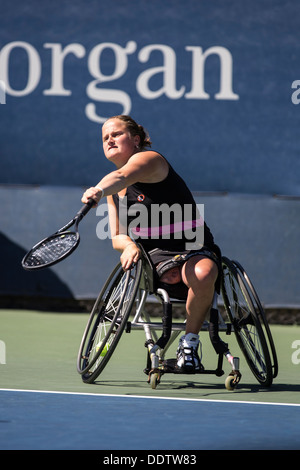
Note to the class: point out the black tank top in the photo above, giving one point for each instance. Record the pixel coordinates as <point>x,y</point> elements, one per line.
<point>163,215</point>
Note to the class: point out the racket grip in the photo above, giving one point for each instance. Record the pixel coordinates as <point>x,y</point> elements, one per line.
<point>85,209</point>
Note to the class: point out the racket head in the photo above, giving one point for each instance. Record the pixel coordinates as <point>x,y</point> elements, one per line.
<point>51,250</point>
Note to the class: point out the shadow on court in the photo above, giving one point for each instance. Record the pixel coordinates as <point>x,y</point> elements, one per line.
<point>18,285</point>
<point>205,389</point>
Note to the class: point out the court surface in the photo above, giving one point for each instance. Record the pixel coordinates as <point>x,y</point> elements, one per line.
<point>45,405</point>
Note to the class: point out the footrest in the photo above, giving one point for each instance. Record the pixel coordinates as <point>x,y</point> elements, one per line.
<point>170,366</point>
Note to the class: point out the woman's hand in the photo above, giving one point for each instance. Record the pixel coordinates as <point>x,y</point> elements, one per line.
<point>92,193</point>
<point>130,255</point>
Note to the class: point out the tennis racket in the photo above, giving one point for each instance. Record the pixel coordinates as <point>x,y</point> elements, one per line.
<point>53,249</point>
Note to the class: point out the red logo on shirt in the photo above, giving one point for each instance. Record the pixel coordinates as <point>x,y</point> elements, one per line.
<point>141,197</point>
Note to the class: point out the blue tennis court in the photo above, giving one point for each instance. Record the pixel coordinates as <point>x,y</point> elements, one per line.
<point>32,420</point>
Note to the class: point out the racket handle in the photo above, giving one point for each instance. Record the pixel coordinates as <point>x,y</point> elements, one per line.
<point>85,209</point>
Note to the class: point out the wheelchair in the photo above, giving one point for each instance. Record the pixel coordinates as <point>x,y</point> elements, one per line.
<point>120,307</point>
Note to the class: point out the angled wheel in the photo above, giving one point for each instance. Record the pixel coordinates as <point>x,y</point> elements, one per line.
<point>107,321</point>
<point>246,323</point>
<point>261,315</point>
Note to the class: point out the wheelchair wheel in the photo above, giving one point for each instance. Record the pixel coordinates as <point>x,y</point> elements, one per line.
<point>107,321</point>
<point>246,322</point>
<point>261,316</point>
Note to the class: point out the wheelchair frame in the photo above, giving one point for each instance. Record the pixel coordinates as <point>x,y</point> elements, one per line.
<point>114,305</point>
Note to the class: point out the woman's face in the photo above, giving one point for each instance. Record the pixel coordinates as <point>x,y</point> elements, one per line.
<point>118,144</point>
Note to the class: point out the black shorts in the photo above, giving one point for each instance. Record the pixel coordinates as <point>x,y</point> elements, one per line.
<point>164,260</point>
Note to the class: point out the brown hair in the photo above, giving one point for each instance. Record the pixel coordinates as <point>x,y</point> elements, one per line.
<point>135,129</point>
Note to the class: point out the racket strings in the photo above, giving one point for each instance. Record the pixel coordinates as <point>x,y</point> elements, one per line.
<point>52,249</point>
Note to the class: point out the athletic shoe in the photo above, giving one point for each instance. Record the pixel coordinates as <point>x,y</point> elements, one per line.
<point>188,360</point>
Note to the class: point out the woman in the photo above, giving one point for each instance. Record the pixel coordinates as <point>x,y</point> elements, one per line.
<point>143,179</point>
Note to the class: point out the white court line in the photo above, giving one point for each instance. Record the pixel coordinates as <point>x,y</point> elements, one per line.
<point>148,397</point>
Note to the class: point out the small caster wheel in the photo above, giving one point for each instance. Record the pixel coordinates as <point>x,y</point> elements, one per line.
<point>233,379</point>
<point>230,383</point>
<point>154,380</point>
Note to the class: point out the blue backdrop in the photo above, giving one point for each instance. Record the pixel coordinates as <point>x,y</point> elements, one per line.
<point>216,85</point>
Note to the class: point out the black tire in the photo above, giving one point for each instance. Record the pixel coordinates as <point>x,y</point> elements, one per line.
<point>246,324</point>
<point>260,312</point>
<point>107,321</point>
